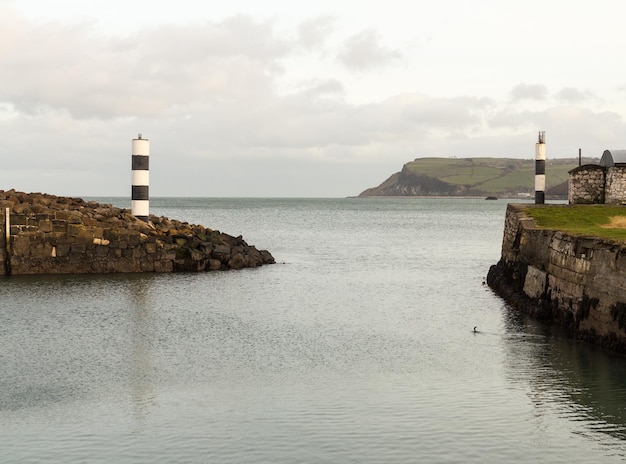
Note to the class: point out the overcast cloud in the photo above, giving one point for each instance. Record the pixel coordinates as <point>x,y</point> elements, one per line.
<point>364,51</point>
<point>323,100</point>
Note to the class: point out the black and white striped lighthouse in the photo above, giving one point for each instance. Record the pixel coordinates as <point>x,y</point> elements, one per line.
<point>540,169</point>
<point>140,199</point>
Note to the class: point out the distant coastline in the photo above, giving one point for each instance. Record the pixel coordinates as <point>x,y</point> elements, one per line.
<point>504,178</point>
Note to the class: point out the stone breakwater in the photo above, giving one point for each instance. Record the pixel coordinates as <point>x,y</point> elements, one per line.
<point>575,282</point>
<point>48,234</point>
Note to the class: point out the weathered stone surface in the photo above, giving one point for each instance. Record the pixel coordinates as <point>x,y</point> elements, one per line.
<point>586,184</point>
<point>615,184</point>
<point>51,234</point>
<point>576,282</point>
<point>595,184</point>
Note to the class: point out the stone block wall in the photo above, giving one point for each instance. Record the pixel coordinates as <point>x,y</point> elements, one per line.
<point>586,185</point>
<point>575,282</point>
<point>60,242</point>
<point>595,184</point>
<point>616,184</point>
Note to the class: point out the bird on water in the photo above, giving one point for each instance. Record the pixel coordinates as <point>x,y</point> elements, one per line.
<point>475,331</point>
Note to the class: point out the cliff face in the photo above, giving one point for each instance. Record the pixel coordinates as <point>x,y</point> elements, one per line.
<point>576,282</point>
<point>407,183</point>
<point>47,234</point>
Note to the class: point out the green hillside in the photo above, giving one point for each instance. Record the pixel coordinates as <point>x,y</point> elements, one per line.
<point>501,177</point>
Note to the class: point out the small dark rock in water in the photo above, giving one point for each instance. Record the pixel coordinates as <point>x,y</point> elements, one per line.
<point>60,235</point>
<point>491,198</point>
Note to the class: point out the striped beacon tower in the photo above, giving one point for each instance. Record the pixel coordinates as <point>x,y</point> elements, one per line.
<point>540,169</point>
<point>140,203</point>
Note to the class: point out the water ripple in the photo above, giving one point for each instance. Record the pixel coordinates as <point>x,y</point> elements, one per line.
<point>359,349</point>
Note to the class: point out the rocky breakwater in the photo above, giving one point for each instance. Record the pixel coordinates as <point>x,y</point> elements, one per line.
<point>573,281</point>
<point>47,234</point>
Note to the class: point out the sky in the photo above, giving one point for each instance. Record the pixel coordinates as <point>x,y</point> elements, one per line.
<point>297,99</point>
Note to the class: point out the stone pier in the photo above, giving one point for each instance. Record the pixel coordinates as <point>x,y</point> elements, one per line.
<point>60,235</point>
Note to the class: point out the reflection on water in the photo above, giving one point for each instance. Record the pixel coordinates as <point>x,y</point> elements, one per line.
<point>572,381</point>
<point>358,349</point>
<point>142,393</point>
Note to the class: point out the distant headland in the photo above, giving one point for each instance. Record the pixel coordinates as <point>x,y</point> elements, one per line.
<point>475,177</point>
<point>48,234</point>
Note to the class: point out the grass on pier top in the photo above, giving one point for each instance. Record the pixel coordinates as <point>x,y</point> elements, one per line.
<point>604,221</point>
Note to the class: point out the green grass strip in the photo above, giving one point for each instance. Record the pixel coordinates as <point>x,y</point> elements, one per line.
<point>585,220</point>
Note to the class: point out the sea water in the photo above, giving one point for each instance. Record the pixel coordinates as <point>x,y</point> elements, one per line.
<point>356,347</point>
